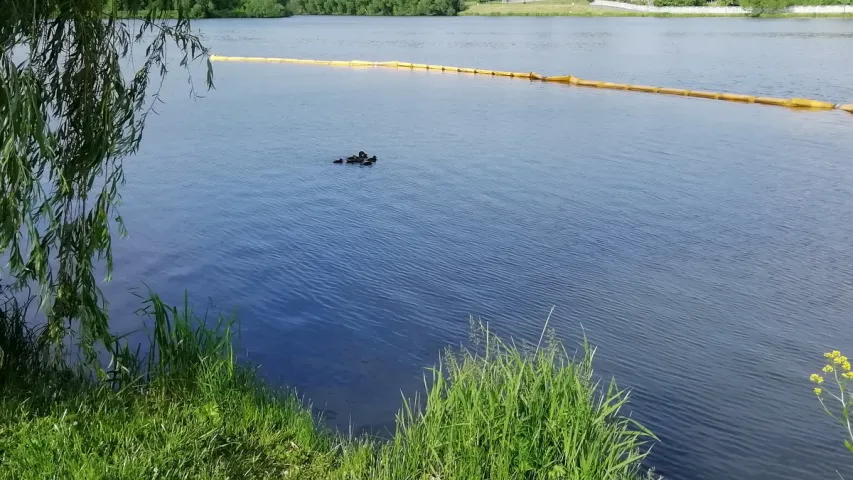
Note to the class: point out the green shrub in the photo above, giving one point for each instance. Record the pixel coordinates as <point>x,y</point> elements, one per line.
<point>680,3</point>
<point>381,7</point>
<point>263,9</point>
<point>758,7</point>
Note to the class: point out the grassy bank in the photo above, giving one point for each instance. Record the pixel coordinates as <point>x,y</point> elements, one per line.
<point>187,410</point>
<point>580,8</point>
<point>545,8</point>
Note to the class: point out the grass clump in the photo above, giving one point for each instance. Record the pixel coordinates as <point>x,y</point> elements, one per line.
<point>186,409</point>
<point>506,414</point>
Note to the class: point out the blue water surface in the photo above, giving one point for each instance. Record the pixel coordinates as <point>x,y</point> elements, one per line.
<point>703,246</point>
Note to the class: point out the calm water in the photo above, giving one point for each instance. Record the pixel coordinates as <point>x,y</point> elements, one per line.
<point>705,247</point>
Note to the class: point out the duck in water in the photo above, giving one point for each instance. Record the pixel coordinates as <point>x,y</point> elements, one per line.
<point>372,159</point>
<point>340,160</point>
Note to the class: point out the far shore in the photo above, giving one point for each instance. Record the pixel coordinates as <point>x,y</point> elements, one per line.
<point>581,8</point>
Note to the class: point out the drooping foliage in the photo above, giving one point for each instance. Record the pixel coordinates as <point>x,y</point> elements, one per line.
<point>381,7</point>
<point>72,108</point>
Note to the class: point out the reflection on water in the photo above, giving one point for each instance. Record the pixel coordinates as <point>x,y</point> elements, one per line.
<point>703,246</point>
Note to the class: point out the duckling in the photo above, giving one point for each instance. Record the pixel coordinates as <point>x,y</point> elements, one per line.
<point>362,155</point>
<point>353,160</point>
<point>367,163</point>
<point>373,159</point>
<point>340,160</point>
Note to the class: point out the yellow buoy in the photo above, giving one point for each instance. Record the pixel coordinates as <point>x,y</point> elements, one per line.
<point>735,97</point>
<point>672,91</point>
<point>779,102</point>
<point>814,104</point>
<point>701,94</point>
<point>589,83</point>
<point>614,86</point>
<point>563,79</point>
<point>802,103</point>
<point>643,88</point>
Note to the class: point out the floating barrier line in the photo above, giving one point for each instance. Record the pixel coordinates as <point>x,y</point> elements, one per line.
<point>797,103</point>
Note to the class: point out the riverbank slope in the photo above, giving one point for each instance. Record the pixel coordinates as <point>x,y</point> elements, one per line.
<point>187,410</point>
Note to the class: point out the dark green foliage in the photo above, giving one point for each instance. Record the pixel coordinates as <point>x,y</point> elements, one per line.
<point>381,7</point>
<point>212,8</point>
<point>680,3</point>
<point>757,7</point>
<point>263,8</point>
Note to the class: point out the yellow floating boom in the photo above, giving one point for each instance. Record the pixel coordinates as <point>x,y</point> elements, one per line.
<point>799,103</point>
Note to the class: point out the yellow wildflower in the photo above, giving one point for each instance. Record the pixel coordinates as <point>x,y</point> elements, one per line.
<point>846,366</point>
<point>848,375</point>
<point>828,355</point>
<point>839,359</point>
<point>817,391</point>
<point>815,378</point>
<point>828,369</point>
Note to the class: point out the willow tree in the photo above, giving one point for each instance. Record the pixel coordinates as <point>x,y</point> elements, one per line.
<point>73,107</point>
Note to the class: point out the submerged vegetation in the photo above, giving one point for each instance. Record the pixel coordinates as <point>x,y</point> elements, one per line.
<point>187,410</point>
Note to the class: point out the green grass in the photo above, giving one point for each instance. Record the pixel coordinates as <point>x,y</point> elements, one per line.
<point>545,8</point>
<point>581,8</point>
<point>187,410</point>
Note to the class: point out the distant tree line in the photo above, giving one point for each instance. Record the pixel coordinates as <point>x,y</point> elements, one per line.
<point>209,8</point>
<point>380,7</point>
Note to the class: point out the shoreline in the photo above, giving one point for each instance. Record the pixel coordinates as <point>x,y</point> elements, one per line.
<point>214,14</point>
<point>575,8</point>
<point>544,8</point>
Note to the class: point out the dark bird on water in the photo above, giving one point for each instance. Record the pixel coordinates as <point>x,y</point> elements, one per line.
<point>361,158</point>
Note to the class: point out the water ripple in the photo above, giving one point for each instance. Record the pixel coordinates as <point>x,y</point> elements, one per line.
<point>703,246</point>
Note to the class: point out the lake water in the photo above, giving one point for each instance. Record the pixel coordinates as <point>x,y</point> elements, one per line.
<point>704,246</point>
